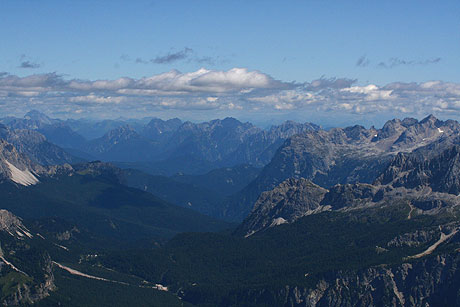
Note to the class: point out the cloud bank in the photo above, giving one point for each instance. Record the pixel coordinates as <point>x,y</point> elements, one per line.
<point>235,91</point>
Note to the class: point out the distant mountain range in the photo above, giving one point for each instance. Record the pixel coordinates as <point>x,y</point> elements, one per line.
<point>165,147</point>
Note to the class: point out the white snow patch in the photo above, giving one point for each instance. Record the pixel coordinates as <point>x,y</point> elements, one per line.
<point>25,178</point>
<point>161,287</point>
<point>278,221</point>
<point>440,130</point>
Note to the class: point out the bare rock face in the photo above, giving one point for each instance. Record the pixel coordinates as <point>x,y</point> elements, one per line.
<point>348,155</point>
<point>17,167</point>
<point>13,225</point>
<point>286,203</point>
<point>428,185</point>
<point>350,195</point>
<point>29,279</point>
<point>441,172</point>
<point>431,282</point>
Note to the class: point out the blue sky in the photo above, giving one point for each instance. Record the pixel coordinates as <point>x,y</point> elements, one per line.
<point>292,43</point>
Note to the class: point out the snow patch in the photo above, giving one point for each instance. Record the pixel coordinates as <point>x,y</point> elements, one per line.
<point>440,130</point>
<point>278,221</point>
<point>161,287</point>
<point>25,178</point>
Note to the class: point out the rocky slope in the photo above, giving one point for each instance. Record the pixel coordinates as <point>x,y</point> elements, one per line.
<point>430,282</point>
<point>25,279</point>
<point>17,167</point>
<point>347,155</point>
<point>36,147</point>
<point>289,201</point>
<point>429,184</point>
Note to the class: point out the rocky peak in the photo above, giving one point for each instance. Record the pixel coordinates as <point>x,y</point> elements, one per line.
<point>289,201</point>
<point>440,172</point>
<point>121,133</point>
<point>392,128</point>
<point>358,133</point>
<point>38,116</point>
<point>430,120</point>
<point>157,126</point>
<point>409,121</point>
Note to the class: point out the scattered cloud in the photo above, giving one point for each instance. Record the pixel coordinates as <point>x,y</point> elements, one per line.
<point>329,83</point>
<point>172,57</point>
<point>394,62</point>
<point>29,64</point>
<point>235,90</point>
<point>186,54</point>
<point>363,61</point>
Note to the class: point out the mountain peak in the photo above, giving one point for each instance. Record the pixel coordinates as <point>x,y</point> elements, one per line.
<point>38,116</point>
<point>429,119</point>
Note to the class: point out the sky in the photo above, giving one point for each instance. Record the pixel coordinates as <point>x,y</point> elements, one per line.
<point>328,62</point>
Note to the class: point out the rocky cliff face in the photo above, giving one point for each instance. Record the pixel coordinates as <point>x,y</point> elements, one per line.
<point>424,181</point>
<point>348,155</point>
<point>26,279</point>
<point>431,282</point>
<point>429,184</point>
<point>17,167</point>
<point>441,173</point>
<point>286,203</point>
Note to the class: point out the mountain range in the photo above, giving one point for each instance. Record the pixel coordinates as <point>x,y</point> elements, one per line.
<point>165,147</point>
<point>344,155</point>
<point>294,215</point>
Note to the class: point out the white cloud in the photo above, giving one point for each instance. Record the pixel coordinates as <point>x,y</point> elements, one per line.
<point>98,99</point>
<point>236,90</point>
<point>369,92</point>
